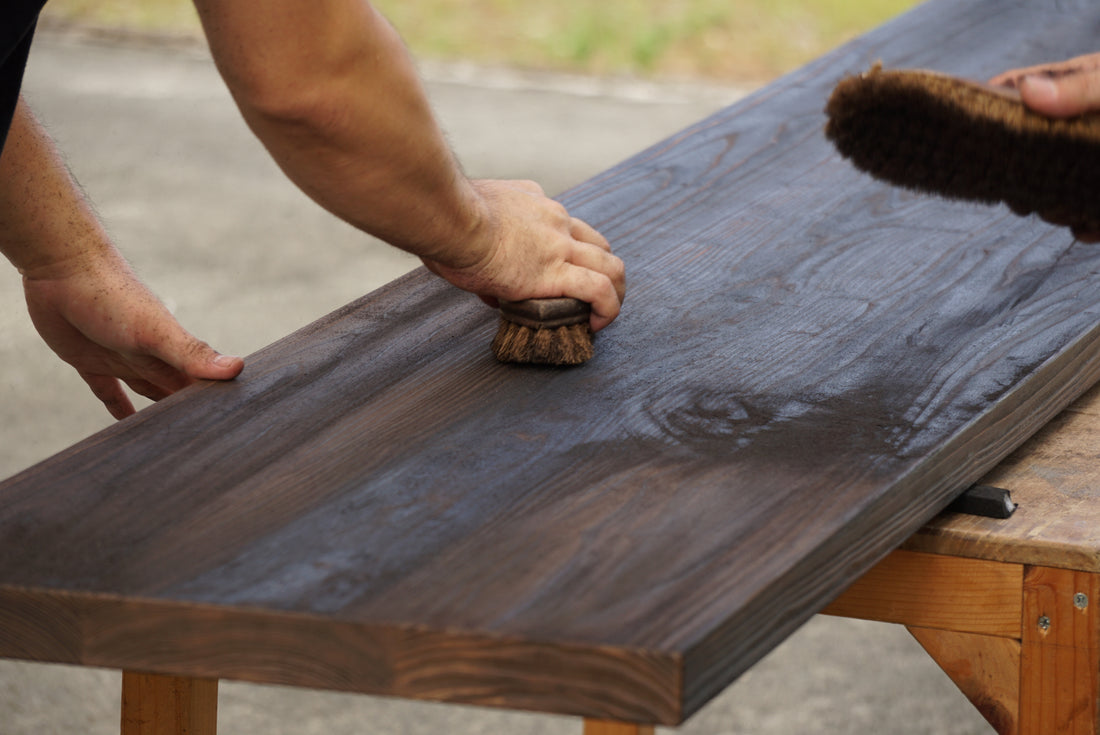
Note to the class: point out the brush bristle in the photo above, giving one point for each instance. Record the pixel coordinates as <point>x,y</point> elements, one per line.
<point>963,140</point>
<point>568,345</point>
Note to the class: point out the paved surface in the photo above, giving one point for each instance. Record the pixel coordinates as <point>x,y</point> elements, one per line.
<point>242,258</point>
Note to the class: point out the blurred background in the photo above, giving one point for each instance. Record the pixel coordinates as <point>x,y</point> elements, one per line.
<point>554,91</point>
<point>731,40</point>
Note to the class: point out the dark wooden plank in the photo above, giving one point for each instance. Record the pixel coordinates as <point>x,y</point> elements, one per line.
<point>810,365</point>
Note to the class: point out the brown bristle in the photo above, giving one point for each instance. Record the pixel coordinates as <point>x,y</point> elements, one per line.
<point>963,140</point>
<point>567,345</point>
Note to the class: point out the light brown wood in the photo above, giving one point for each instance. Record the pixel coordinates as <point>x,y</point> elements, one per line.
<point>168,705</point>
<point>1060,657</point>
<point>1055,479</point>
<point>985,668</point>
<point>936,591</point>
<point>605,727</point>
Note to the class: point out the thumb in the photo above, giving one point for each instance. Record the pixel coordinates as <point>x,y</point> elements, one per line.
<point>214,366</point>
<point>196,359</point>
<point>1065,96</point>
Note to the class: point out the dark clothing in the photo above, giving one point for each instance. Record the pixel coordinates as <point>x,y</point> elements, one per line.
<point>17,21</point>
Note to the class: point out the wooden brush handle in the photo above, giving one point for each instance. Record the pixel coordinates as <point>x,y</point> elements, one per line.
<point>545,313</point>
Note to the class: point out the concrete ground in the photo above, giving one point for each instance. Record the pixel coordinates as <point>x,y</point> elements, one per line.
<point>242,259</point>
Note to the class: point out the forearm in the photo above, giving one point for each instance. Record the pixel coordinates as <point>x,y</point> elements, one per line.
<point>45,223</point>
<point>331,91</point>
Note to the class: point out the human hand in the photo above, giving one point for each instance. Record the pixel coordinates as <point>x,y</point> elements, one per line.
<point>1059,90</point>
<point>528,246</point>
<point>98,317</point>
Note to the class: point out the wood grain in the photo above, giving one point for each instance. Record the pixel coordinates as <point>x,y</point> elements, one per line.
<point>809,367</point>
<point>1060,656</point>
<point>1055,479</point>
<point>168,705</point>
<point>325,652</point>
<point>985,668</point>
<point>603,727</point>
<point>938,592</point>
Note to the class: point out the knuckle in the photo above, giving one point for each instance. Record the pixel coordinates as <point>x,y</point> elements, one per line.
<point>559,212</point>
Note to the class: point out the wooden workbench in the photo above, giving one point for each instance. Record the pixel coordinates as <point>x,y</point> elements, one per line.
<point>1010,609</point>
<point>810,366</point>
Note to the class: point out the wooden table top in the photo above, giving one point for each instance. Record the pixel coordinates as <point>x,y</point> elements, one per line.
<point>1055,480</point>
<point>809,367</point>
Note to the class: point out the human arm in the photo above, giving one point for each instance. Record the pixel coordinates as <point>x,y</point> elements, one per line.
<point>331,91</point>
<point>82,296</point>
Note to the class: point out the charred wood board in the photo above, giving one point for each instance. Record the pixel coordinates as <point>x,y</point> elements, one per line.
<point>809,366</point>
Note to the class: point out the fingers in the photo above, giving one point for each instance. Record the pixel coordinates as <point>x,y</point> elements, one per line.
<point>581,230</point>
<point>155,379</point>
<point>98,317</point>
<point>170,363</point>
<point>202,362</point>
<point>593,274</point>
<point>602,296</point>
<point>108,390</point>
<point>147,389</point>
<point>1078,64</point>
<point>1064,97</point>
<point>1062,89</point>
<point>601,262</point>
<point>531,247</point>
<point>181,359</point>
<point>599,269</point>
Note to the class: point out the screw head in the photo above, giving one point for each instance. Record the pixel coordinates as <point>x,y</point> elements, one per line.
<point>1044,623</point>
<point>1080,601</point>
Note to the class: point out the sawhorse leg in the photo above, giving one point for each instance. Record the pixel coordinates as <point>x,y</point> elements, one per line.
<point>171,705</point>
<point>604,727</point>
<point>1021,642</point>
<point>168,705</point>
<point>1060,655</point>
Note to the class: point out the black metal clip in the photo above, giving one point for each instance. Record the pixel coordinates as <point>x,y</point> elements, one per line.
<point>984,500</point>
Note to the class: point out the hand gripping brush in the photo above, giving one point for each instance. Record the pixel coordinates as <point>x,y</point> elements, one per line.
<point>960,139</point>
<point>544,332</point>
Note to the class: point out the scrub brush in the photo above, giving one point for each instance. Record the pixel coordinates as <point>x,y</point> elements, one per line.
<point>961,139</point>
<point>544,332</point>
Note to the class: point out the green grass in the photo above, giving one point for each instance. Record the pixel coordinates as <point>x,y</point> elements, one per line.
<point>171,16</point>
<point>720,39</point>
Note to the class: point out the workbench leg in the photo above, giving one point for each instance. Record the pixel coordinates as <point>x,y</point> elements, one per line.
<point>168,705</point>
<point>985,668</point>
<point>606,727</point>
<point>1060,654</point>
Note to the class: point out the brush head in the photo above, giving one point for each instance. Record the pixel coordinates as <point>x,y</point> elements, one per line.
<point>960,139</point>
<point>544,332</point>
